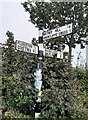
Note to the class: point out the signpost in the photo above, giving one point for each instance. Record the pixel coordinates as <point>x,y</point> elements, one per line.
<point>40,51</point>
<point>45,36</point>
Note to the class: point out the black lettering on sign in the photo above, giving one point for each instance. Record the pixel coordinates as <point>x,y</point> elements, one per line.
<point>45,33</point>
<point>33,50</point>
<point>70,30</point>
<point>47,37</point>
<point>49,32</point>
<point>63,32</point>
<point>44,37</point>
<point>54,35</point>
<point>26,49</point>
<point>29,50</point>
<point>57,29</point>
<point>20,47</point>
<point>69,26</point>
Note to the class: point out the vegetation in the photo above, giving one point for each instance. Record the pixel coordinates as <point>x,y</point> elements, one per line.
<point>61,97</point>
<point>64,95</point>
<point>18,87</point>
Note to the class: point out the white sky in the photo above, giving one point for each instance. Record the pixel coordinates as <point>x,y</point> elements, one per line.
<point>15,19</point>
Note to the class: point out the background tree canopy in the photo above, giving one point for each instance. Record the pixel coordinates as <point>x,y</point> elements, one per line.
<point>56,14</point>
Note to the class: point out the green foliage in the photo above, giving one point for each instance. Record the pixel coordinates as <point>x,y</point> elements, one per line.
<point>82,78</point>
<point>14,114</point>
<point>8,55</point>
<point>18,83</point>
<point>18,87</point>
<point>59,94</point>
<point>82,100</point>
<point>62,98</point>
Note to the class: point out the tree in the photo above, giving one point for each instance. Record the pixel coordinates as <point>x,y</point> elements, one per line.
<point>17,79</point>
<point>56,14</point>
<point>8,57</point>
<point>82,101</point>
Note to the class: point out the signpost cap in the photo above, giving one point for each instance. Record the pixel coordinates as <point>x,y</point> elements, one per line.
<point>41,23</point>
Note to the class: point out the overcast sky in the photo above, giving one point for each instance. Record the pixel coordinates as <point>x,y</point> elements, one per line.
<point>15,19</point>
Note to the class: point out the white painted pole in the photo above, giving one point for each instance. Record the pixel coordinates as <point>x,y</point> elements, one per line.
<point>38,81</point>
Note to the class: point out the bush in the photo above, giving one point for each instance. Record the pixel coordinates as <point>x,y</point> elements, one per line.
<point>14,114</point>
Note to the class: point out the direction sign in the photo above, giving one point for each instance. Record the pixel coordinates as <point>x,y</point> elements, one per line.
<point>59,31</point>
<point>27,47</point>
<point>49,52</point>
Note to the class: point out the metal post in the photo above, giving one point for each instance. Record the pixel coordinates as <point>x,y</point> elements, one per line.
<point>38,73</point>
